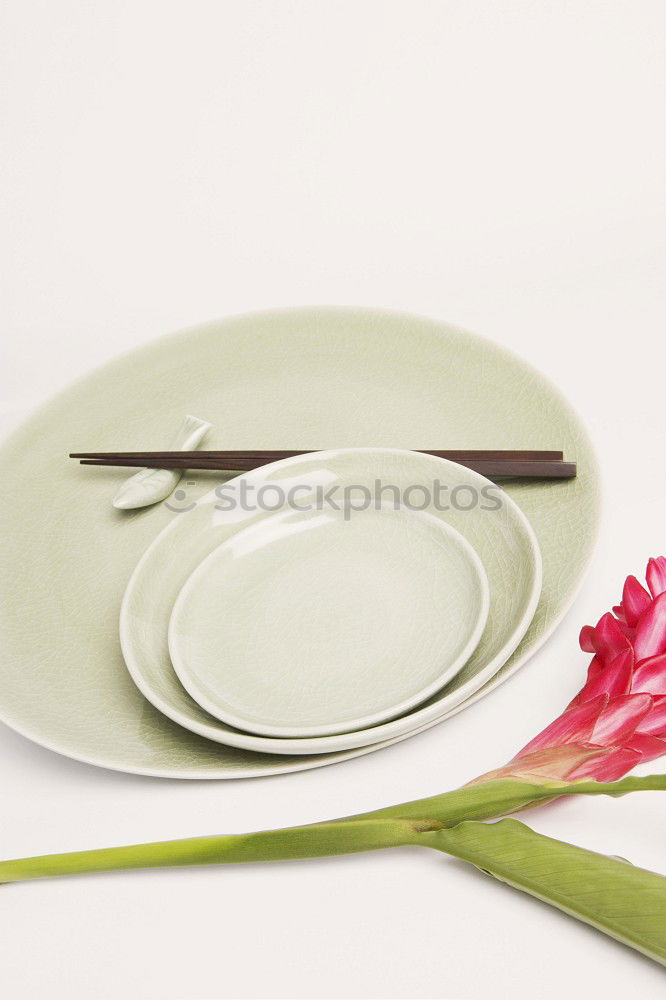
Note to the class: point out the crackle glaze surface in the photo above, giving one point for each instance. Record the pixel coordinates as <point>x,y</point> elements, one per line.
<point>324,621</point>
<point>304,378</point>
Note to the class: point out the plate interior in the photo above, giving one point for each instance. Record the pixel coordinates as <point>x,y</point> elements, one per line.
<point>323,621</point>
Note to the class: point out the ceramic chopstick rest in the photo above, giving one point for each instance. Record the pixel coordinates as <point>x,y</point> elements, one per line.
<point>149,486</point>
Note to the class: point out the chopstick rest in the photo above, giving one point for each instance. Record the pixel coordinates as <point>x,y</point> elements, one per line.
<point>150,484</point>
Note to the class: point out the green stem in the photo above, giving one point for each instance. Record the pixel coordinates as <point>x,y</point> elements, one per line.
<point>319,840</point>
<point>391,827</point>
<point>501,797</point>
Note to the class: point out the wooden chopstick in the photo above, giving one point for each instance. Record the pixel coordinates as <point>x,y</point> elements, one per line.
<point>276,455</point>
<point>492,467</point>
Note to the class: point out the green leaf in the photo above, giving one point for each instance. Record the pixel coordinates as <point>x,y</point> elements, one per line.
<point>625,902</point>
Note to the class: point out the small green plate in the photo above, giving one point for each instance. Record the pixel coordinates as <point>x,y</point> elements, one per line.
<point>304,379</point>
<point>329,620</point>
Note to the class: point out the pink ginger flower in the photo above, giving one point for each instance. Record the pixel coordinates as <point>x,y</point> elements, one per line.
<point>618,719</point>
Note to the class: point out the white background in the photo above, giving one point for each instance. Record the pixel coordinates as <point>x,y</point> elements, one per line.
<point>496,164</point>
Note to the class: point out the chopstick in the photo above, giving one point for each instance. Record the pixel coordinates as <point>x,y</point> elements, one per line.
<point>276,455</point>
<point>493,464</point>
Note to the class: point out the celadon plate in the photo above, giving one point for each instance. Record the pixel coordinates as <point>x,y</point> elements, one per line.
<point>486,517</point>
<point>324,621</point>
<point>302,379</point>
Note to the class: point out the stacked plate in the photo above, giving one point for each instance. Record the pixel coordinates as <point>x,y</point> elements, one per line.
<point>334,624</point>
<point>326,602</point>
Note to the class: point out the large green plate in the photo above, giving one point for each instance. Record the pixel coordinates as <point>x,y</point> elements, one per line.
<point>304,378</point>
